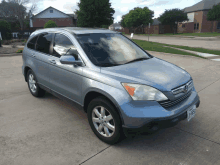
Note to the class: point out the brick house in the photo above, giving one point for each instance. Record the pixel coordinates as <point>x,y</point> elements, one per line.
<point>155,28</point>
<point>197,18</point>
<point>61,19</point>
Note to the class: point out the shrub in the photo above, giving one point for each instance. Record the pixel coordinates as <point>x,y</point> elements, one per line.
<point>19,50</point>
<point>50,24</point>
<point>105,26</point>
<point>5,29</point>
<point>19,36</point>
<point>7,42</point>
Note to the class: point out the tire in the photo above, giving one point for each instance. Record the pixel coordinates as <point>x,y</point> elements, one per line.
<point>110,127</point>
<point>33,86</point>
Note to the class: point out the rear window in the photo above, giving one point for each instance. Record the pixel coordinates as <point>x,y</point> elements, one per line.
<point>32,42</point>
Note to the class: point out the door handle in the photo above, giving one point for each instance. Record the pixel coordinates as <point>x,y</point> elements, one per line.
<point>52,61</point>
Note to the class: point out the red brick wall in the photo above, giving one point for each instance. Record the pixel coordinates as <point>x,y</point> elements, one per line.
<point>126,30</point>
<point>189,27</point>
<point>198,17</point>
<point>39,22</point>
<point>165,29</point>
<point>154,29</point>
<point>207,26</point>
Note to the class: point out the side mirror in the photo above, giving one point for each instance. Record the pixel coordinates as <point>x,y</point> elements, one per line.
<point>70,59</point>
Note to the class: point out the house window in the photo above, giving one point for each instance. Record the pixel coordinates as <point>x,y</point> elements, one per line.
<point>51,11</point>
<point>218,25</point>
<point>183,25</point>
<point>196,26</point>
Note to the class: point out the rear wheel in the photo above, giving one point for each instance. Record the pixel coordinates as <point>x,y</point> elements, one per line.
<point>104,121</point>
<point>33,86</point>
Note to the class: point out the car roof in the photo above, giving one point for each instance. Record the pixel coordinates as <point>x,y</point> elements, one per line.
<point>77,30</point>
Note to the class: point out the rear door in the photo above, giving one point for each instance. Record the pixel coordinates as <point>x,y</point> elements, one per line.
<point>65,79</point>
<point>41,56</point>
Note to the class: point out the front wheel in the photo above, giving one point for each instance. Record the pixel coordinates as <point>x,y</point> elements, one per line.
<point>33,86</point>
<point>104,121</point>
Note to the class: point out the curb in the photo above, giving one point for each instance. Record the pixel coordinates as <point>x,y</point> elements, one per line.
<point>9,55</point>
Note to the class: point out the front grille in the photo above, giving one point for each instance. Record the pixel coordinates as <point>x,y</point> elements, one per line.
<point>181,88</point>
<point>169,103</point>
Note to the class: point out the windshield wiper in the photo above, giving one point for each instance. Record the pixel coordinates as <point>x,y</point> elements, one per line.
<point>107,64</point>
<point>138,59</point>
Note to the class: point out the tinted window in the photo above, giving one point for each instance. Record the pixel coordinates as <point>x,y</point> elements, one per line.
<point>32,42</point>
<point>61,45</point>
<point>106,49</point>
<point>218,26</point>
<point>43,43</point>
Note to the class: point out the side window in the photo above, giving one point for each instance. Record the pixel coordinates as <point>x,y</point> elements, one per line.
<point>43,42</point>
<point>61,45</point>
<point>32,42</point>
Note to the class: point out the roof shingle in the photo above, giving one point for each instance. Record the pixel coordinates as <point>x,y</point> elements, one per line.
<point>202,5</point>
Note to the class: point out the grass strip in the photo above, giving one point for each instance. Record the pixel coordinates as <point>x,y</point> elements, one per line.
<point>158,47</point>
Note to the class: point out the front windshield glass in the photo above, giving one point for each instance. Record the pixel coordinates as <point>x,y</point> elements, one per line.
<point>109,49</point>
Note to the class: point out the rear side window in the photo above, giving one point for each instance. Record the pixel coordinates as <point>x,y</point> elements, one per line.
<point>32,42</point>
<point>61,45</point>
<point>43,43</point>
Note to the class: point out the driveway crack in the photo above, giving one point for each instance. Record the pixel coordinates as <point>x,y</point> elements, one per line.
<point>198,136</point>
<point>208,85</point>
<point>94,155</point>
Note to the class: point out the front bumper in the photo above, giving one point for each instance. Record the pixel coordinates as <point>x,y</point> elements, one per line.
<point>158,124</point>
<point>142,115</point>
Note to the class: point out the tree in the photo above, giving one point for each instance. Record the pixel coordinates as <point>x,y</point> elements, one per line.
<point>5,30</point>
<point>50,24</point>
<point>13,10</point>
<point>94,13</point>
<point>214,13</point>
<point>122,22</point>
<point>138,17</point>
<point>172,17</point>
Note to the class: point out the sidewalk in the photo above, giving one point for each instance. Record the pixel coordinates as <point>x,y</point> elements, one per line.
<point>9,46</point>
<point>206,55</point>
<point>182,41</point>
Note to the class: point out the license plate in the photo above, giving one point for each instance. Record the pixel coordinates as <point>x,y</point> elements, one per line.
<point>191,112</point>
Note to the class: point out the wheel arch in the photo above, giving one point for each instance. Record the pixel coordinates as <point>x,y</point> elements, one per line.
<point>92,94</point>
<point>26,69</point>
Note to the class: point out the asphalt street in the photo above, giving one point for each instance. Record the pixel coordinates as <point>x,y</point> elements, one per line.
<point>50,131</point>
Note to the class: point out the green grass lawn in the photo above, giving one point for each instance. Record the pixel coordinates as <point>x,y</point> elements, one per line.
<point>158,47</point>
<point>209,34</point>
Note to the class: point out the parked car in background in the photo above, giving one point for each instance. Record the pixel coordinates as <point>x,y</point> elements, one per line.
<point>120,86</point>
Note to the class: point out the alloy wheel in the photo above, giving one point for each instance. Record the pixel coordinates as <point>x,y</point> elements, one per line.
<point>32,83</point>
<point>103,121</point>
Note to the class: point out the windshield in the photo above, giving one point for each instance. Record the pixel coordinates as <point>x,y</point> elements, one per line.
<point>109,49</point>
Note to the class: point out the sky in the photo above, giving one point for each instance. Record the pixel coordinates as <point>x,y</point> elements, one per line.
<point>121,7</point>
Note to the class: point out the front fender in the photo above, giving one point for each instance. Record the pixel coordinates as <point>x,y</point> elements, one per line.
<point>117,96</point>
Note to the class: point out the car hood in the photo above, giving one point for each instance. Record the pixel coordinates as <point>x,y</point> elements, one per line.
<point>153,72</point>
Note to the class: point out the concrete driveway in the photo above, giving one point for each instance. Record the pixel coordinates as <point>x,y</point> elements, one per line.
<point>51,131</point>
<point>182,41</point>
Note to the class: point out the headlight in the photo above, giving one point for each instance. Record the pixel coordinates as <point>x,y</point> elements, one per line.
<point>144,92</point>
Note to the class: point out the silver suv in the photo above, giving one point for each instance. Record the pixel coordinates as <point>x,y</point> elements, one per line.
<point>121,87</point>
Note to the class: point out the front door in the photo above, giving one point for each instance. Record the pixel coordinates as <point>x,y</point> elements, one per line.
<point>65,79</point>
